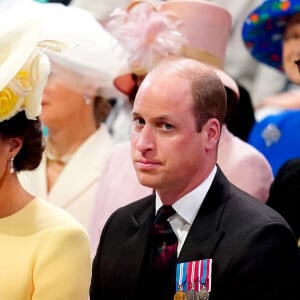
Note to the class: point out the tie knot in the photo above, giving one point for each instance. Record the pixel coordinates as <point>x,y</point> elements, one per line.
<point>164,213</point>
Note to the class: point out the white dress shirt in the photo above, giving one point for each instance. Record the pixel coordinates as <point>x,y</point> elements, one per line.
<point>187,208</point>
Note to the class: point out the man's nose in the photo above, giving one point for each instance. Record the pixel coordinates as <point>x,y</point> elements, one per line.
<point>145,139</point>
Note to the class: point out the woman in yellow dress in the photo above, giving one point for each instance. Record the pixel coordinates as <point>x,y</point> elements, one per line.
<point>44,252</point>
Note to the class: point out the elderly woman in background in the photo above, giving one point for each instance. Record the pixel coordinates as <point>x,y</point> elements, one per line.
<point>44,252</point>
<point>74,108</point>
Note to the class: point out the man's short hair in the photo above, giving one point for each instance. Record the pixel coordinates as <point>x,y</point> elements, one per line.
<point>209,97</point>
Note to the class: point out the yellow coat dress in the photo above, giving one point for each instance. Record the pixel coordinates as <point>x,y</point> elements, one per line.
<point>44,254</point>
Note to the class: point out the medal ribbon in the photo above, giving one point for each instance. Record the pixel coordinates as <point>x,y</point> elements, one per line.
<point>181,276</point>
<point>192,275</point>
<point>205,274</point>
<point>195,272</point>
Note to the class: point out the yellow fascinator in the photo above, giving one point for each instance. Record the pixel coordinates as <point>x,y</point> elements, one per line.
<point>24,68</point>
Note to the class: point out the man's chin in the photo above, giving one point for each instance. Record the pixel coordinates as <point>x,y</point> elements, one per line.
<point>145,180</point>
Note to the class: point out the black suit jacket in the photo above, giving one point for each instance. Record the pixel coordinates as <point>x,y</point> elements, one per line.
<point>285,193</point>
<point>254,252</point>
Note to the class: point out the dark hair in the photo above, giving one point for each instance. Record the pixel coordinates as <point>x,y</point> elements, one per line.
<point>102,108</point>
<point>231,104</point>
<point>30,155</point>
<point>209,98</point>
<point>240,115</point>
<point>137,79</point>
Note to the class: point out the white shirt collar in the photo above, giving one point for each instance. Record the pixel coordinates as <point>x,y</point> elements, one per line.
<point>187,207</point>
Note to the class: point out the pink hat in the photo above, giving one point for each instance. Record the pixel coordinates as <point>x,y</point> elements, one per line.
<point>205,29</point>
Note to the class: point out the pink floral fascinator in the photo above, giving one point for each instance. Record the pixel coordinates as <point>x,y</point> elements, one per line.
<point>147,34</point>
<point>151,31</point>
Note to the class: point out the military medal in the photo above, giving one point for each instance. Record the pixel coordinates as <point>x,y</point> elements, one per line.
<point>193,280</point>
<point>180,281</point>
<point>192,294</point>
<point>203,294</point>
<point>180,294</point>
<point>205,279</point>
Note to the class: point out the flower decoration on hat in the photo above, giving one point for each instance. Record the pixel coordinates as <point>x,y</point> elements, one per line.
<point>24,69</point>
<point>24,91</point>
<point>147,34</point>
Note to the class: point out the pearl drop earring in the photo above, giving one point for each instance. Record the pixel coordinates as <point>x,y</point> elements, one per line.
<point>87,99</point>
<point>12,169</point>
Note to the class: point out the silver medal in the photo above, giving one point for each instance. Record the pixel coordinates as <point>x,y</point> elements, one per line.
<point>192,294</point>
<point>203,294</point>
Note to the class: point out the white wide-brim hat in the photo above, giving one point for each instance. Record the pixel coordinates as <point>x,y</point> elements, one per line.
<point>24,68</point>
<point>17,43</point>
<point>93,53</point>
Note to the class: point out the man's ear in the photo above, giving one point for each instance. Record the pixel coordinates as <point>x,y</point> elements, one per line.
<point>15,144</point>
<point>213,130</point>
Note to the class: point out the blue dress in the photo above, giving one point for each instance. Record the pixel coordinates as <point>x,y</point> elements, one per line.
<point>277,137</point>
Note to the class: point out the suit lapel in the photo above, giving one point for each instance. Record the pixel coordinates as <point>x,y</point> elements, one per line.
<point>205,232</point>
<point>136,243</point>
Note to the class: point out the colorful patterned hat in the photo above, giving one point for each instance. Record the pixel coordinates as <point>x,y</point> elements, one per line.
<point>264,27</point>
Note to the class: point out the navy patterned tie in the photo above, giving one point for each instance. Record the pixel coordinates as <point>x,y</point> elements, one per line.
<point>163,240</point>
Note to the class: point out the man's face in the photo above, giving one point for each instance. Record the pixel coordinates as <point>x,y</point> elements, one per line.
<point>167,151</point>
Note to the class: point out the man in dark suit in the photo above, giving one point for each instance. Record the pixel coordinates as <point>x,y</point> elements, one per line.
<point>249,248</point>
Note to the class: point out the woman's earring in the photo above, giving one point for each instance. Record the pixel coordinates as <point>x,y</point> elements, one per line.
<point>12,169</point>
<point>87,99</point>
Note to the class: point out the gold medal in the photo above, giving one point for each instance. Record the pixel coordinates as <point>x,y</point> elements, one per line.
<point>203,294</point>
<point>180,294</point>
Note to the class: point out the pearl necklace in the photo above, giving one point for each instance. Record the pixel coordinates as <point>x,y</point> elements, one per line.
<point>60,160</point>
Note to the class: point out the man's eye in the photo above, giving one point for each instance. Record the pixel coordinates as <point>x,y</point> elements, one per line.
<point>139,121</point>
<point>167,126</point>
